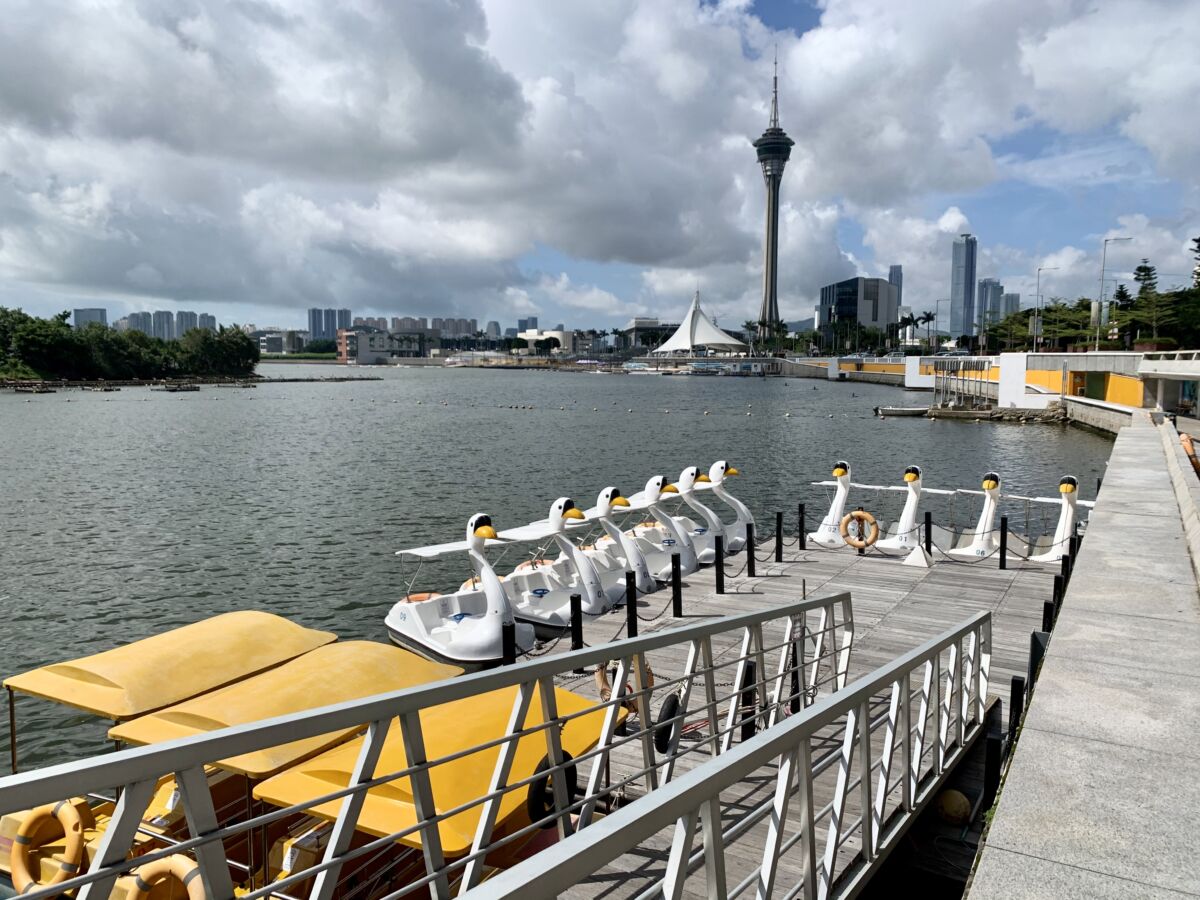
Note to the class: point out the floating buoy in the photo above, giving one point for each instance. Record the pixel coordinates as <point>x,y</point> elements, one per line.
<point>953,807</point>
<point>419,402</point>
<point>595,409</point>
<point>787,415</point>
<point>561,408</point>
<point>830,416</point>
<point>749,413</point>
<point>706,412</point>
<point>666,412</point>
<point>629,410</point>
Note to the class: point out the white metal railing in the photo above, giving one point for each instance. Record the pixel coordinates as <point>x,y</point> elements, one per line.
<point>816,857</point>
<point>750,672</point>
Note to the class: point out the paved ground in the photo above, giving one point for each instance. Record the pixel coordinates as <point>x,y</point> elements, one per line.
<point>1101,797</point>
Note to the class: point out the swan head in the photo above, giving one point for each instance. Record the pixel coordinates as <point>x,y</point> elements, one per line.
<point>912,476</point>
<point>1068,486</point>
<point>657,486</point>
<point>480,531</point>
<point>561,511</point>
<point>688,479</point>
<point>609,498</point>
<point>841,471</point>
<point>991,484</point>
<point>720,470</point>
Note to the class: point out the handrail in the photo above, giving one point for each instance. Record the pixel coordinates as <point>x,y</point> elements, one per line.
<point>805,653</point>
<point>691,796</point>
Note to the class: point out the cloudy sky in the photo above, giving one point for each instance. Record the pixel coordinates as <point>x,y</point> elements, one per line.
<point>584,161</point>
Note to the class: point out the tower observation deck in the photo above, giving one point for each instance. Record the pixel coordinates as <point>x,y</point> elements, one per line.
<point>774,148</point>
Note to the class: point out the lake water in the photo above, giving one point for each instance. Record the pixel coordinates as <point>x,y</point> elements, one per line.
<point>128,513</point>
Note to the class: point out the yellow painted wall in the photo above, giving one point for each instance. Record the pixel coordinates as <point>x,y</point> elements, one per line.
<point>1123,389</point>
<point>890,368</point>
<point>1050,379</point>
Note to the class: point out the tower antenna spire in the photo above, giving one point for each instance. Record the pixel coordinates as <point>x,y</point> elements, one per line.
<point>775,92</point>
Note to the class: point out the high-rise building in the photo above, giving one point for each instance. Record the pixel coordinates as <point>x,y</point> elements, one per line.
<point>774,148</point>
<point>531,322</point>
<point>962,286</point>
<point>329,324</point>
<point>164,325</point>
<point>343,319</point>
<point>989,303</point>
<point>184,322</point>
<point>511,332</point>
<point>896,277</point>
<point>559,327</point>
<point>316,325</point>
<point>1011,305</point>
<point>141,321</point>
<point>493,330</point>
<point>522,325</point>
<point>82,317</point>
<point>866,302</point>
<point>207,322</point>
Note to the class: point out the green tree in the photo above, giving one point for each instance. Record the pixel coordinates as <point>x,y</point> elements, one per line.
<point>1146,277</point>
<point>1196,268</point>
<point>321,346</point>
<point>1122,298</point>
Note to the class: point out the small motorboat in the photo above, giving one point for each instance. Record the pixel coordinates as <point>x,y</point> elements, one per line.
<point>886,411</point>
<point>735,534</point>
<point>464,628</point>
<point>541,596</point>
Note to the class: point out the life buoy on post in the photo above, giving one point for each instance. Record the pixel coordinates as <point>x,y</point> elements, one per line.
<point>863,518</point>
<point>20,862</point>
<point>177,866</point>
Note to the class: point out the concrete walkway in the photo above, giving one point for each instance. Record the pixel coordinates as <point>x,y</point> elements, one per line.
<point>1102,795</point>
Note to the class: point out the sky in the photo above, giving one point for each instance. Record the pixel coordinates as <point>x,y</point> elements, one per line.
<point>582,162</point>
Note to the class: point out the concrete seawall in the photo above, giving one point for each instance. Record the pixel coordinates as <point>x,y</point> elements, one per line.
<point>1105,778</point>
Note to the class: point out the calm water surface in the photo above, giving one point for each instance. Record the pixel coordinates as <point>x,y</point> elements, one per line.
<point>128,513</point>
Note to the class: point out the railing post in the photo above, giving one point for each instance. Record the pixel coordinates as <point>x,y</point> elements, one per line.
<point>803,534</point>
<point>929,532</point>
<point>1016,706</point>
<point>508,643</point>
<point>631,604</point>
<point>993,755</point>
<point>1058,593</point>
<point>676,587</point>
<point>1038,641</point>
<point>747,707</point>
<point>1066,570</point>
<point>577,625</point>
<point>779,537</point>
<point>719,563</point>
<point>1048,616</point>
<point>1004,542</point>
<point>750,559</point>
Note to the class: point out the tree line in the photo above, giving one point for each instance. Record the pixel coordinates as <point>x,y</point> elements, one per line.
<point>32,347</point>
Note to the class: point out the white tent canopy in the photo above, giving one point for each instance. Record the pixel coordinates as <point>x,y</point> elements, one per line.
<point>698,330</point>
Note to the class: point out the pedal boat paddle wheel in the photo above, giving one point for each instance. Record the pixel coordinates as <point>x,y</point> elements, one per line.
<point>464,628</point>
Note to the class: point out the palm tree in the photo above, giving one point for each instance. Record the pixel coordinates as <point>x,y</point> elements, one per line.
<point>925,319</point>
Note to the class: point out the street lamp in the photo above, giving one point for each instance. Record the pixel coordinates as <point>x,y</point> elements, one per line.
<point>937,315</point>
<point>1037,329</point>
<point>1100,303</point>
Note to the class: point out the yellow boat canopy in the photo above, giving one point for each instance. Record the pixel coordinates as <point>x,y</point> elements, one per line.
<point>447,729</point>
<point>335,673</point>
<point>166,668</point>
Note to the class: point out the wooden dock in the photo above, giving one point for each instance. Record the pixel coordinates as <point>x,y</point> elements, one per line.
<point>895,609</point>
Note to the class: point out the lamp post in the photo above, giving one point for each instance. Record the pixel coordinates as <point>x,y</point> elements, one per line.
<point>1100,303</point>
<point>937,314</point>
<point>1037,330</point>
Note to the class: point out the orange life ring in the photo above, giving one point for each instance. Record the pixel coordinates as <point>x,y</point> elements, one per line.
<point>605,686</point>
<point>1189,448</point>
<point>861,516</point>
<point>20,863</point>
<point>177,866</point>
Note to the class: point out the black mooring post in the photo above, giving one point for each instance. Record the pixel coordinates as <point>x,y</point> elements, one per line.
<point>719,564</point>
<point>1038,641</point>
<point>803,535</point>
<point>1099,481</point>
<point>1066,570</point>
<point>993,756</point>
<point>750,558</point>
<point>1048,616</point>
<point>779,537</point>
<point>929,532</point>
<point>508,643</point>
<point>1016,706</point>
<point>676,586</point>
<point>1004,542</point>
<point>1058,594</point>
<point>631,604</point>
<point>577,625</point>
<point>748,702</point>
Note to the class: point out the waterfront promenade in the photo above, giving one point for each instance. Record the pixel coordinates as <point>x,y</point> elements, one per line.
<point>1105,780</point>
